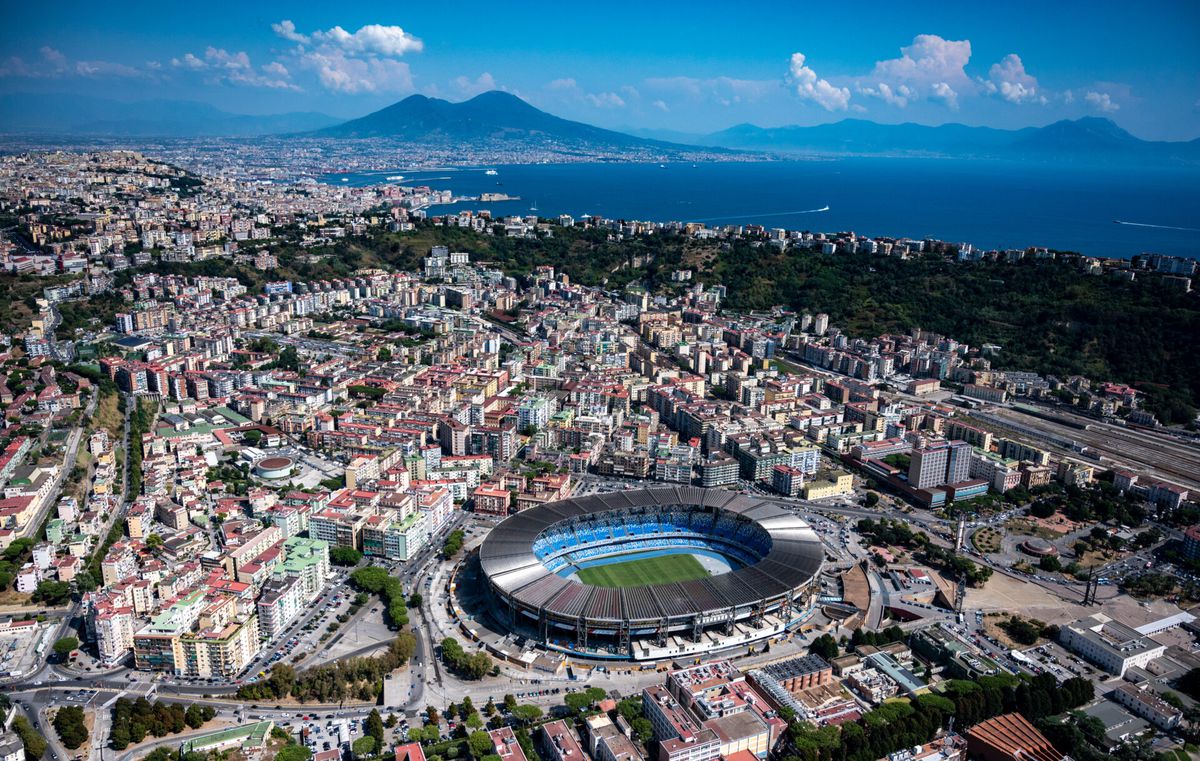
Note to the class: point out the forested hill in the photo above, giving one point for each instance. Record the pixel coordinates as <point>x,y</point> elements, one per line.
<point>1047,316</point>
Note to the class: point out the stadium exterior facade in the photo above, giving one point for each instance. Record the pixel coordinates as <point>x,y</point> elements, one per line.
<point>776,559</point>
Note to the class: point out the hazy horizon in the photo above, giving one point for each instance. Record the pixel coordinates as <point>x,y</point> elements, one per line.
<point>663,68</point>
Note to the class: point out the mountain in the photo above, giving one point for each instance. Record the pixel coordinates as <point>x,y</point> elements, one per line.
<point>1085,139</point>
<point>53,114</point>
<point>490,115</point>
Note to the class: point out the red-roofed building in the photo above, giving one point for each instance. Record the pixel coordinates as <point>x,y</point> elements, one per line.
<point>409,752</point>
<point>491,499</point>
<point>1009,737</point>
<point>504,740</point>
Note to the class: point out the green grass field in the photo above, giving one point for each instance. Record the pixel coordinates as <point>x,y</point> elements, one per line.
<point>636,573</point>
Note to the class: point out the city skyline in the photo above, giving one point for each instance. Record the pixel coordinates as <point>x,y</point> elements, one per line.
<point>661,69</point>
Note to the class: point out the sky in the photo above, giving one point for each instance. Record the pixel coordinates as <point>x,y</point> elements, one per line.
<point>686,66</point>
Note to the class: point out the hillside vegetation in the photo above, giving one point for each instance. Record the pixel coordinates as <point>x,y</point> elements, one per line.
<point>1047,316</point>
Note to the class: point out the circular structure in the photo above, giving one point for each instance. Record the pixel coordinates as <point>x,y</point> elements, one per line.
<point>274,467</point>
<point>1039,548</point>
<point>768,560</point>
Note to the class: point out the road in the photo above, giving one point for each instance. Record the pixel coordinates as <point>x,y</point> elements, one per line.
<point>70,455</point>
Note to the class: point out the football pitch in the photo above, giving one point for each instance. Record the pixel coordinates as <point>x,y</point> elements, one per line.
<point>636,573</point>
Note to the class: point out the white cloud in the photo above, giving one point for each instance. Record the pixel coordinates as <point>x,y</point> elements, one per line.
<point>564,83</point>
<point>287,30</point>
<point>341,73</point>
<point>809,86</point>
<point>53,57</point>
<point>661,106</point>
<point>945,92</point>
<point>898,97</point>
<point>369,40</point>
<point>363,61</point>
<point>222,66</point>
<point>1101,101</point>
<point>931,67</point>
<point>223,59</point>
<point>470,87</point>
<point>97,69</point>
<point>1012,82</point>
<point>52,64</point>
<point>189,61</point>
<point>928,59</point>
<point>605,100</point>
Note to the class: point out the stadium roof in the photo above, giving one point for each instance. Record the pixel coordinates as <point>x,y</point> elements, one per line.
<point>508,560</point>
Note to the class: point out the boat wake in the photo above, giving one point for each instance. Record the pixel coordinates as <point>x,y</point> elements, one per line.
<point>763,216</point>
<point>1158,227</point>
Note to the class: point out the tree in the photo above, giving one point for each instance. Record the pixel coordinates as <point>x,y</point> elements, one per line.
<point>643,728</point>
<point>1135,749</point>
<point>85,581</point>
<point>1022,632</point>
<point>375,726</point>
<point>64,646</point>
<point>872,499</point>
<point>197,715</point>
<point>630,708</point>
<point>35,744</point>
<point>364,746</point>
<point>344,556</point>
<point>480,743</point>
<point>52,592</point>
<point>510,700</point>
<point>453,543</point>
<point>580,701</point>
<point>824,646</point>
<point>527,713</point>
<point>69,723</point>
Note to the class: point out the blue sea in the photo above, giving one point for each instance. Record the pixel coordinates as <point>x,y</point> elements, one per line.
<point>990,204</point>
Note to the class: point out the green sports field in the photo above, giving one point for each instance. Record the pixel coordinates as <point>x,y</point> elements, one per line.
<point>636,573</point>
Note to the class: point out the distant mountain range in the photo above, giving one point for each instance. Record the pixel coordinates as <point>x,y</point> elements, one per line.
<point>51,114</point>
<point>493,115</point>
<point>499,116</point>
<point>1090,138</point>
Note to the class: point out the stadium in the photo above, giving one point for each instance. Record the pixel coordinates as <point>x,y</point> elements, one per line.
<point>652,573</point>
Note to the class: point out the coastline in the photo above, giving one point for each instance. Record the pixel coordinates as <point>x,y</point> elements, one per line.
<point>988,204</point>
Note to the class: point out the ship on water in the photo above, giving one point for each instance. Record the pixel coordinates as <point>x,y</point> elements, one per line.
<point>491,173</point>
